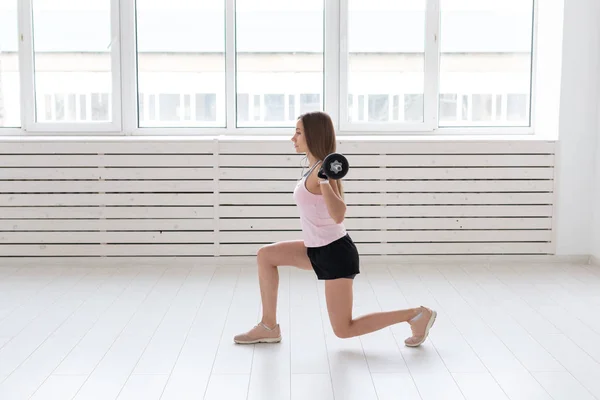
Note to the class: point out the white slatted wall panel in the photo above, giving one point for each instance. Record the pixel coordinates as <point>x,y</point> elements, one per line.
<point>226,198</point>
<point>107,198</point>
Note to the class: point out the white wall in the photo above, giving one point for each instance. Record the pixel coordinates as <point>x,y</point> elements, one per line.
<point>578,128</point>
<point>595,244</point>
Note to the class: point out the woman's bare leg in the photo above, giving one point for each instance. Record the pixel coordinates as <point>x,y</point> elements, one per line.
<point>339,305</point>
<point>269,258</point>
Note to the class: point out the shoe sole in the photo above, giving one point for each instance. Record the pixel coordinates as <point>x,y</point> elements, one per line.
<point>265,340</point>
<point>427,328</point>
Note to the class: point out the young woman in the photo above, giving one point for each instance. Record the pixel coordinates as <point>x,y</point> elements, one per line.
<point>326,248</point>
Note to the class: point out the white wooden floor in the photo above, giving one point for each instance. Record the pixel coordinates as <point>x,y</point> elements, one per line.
<point>503,332</point>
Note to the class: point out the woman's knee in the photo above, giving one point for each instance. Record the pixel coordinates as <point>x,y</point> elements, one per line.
<point>263,254</point>
<point>343,331</point>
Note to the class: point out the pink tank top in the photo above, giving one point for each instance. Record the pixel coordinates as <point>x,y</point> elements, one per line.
<point>318,228</point>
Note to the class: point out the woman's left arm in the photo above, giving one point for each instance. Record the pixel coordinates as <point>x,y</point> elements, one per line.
<point>335,205</point>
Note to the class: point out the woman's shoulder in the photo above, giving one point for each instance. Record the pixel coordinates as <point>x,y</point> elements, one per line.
<point>312,180</point>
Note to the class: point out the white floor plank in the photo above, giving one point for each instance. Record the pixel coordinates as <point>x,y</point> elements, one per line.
<point>19,290</point>
<point>307,339</point>
<point>271,385</point>
<point>382,352</point>
<point>227,386</point>
<point>94,345</point>
<point>506,331</point>
<point>311,386</point>
<point>583,367</point>
<point>59,387</point>
<point>434,386</point>
<point>232,358</point>
<point>350,373</point>
<point>562,386</point>
<point>395,386</point>
<point>143,387</point>
<point>476,386</point>
<point>191,373</point>
<point>35,369</point>
<point>161,353</point>
<point>111,373</point>
<point>35,333</point>
<point>521,386</point>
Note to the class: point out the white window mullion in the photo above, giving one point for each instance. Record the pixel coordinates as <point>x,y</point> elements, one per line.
<point>432,63</point>
<point>128,67</point>
<point>26,67</point>
<point>230,64</point>
<point>115,50</point>
<point>343,66</point>
<point>332,102</point>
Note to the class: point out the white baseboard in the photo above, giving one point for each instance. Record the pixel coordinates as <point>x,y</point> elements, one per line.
<point>399,260</point>
<point>251,260</point>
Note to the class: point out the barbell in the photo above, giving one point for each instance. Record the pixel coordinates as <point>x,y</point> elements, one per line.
<point>335,166</point>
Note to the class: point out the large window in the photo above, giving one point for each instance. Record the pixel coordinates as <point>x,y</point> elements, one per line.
<point>485,56</point>
<point>74,59</point>
<point>181,63</point>
<point>279,59</point>
<point>254,66</point>
<point>10,100</point>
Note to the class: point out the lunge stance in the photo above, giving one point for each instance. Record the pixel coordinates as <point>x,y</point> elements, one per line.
<point>326,248</point>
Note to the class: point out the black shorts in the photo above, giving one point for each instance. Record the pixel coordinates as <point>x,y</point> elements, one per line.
<point>338,259</point>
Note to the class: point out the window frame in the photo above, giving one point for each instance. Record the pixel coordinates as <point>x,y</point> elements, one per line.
<point>125,121</point>
<point>28,94</point>
<point>430,88</point>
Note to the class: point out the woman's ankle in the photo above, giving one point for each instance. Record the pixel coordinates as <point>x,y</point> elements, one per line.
<point>415,312</point>
<point>269,323</point>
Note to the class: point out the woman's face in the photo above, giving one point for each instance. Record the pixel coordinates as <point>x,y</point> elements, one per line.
<point>299,138</point>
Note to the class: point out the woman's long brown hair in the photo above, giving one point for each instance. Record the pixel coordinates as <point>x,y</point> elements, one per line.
<point>320,137</point>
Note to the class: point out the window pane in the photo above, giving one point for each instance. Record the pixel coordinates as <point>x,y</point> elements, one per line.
<point>48,107</point>
<point>187,108</point>
<point>361,107</point>
<point>292,106</point>
<point>413,107</point>
<point>351,107</point>
<point>59,107</point>
<point>310,102</point>
<point>386,44</point>
<point>279,49</point>
<point>516,107</point>
<point>168,107</point>
<point>71,107</point>
<point>10,101</point>
<point>396,107</point>
<point>448,103</point>
<point>72,54</point>
<point>498,106</point>
<point>274,107</point>
<point>257,108</point>
<point>494,60</point>
<point>206,107</point>
<point>465,108</point>
<point>181,56</point>
<point>83,107</point>
<point>379,107</point>
<point>243,106</point>
<point>482,107</point>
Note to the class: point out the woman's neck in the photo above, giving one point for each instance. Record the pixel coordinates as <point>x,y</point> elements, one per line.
<point>311,159</point>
